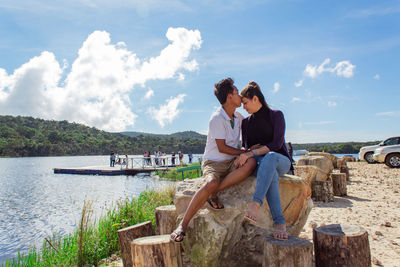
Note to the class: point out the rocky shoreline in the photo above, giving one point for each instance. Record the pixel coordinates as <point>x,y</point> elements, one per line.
<point>373,202</point>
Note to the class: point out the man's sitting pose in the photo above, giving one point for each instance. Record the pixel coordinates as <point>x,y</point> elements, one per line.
<point>219,170</point>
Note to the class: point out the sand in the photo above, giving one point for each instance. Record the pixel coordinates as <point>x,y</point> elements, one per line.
<point>373,202</point>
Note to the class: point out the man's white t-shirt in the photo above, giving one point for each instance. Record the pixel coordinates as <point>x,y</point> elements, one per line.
<point>220,127</point>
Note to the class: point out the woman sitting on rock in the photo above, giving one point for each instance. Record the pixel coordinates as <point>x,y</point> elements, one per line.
<point>264,133</point>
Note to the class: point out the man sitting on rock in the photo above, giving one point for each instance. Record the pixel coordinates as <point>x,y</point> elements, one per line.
<point>222,147</point>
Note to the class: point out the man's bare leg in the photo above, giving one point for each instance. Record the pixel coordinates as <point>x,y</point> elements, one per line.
<point>196,203</point>
<point>237,175</point>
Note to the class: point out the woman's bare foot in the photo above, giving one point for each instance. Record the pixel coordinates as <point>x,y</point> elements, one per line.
<point>178,234</point>
<point>280,232</point>
<point>252,212</point>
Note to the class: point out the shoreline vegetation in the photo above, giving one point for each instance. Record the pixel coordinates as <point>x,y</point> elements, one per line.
<point>173,174</point>
<point>93,241</point>
<point>30,137</point>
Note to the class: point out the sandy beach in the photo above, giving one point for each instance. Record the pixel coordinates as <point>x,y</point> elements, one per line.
<point>373,202</point>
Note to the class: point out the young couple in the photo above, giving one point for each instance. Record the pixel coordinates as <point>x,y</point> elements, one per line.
<point>225,164</point>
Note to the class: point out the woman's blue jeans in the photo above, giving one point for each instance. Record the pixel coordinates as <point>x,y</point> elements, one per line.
<point>270,166</point>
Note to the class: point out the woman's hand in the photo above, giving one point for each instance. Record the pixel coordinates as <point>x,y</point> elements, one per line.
<point>255,146</point>
<point>242,159</point>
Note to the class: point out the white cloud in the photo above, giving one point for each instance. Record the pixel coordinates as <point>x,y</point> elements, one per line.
<point>377,77</point>
<point>342,68</point>
<point>296,99</point>
<point>149,94</point>
<point>276,88</point>
<point>332,104</point>
<point>395,113</point>
<point>168,112</point>
<point>96,90</point>
<point>299,83</point>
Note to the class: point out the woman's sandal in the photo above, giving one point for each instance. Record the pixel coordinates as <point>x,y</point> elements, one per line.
<point>281,233</point>
<point>213,203</point>
<point>179,235</point>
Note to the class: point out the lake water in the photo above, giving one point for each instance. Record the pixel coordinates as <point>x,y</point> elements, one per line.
<point>35,202</point>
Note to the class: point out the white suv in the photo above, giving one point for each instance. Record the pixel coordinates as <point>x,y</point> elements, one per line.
<point>390,155</point>
<point>366,152</point>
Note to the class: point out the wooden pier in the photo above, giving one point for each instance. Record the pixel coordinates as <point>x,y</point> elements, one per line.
<point>135,165</point>
<point>105,170</point>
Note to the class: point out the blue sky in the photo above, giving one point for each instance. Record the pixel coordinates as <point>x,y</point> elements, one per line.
<point>330,66</point>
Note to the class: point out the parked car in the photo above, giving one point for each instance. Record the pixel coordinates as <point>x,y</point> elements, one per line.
<point>390,155</point>
<point>366,152</point>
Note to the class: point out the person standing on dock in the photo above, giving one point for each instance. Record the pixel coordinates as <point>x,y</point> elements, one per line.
<point>112,159</point>
<point>222,147</point>
<point>173,158</point>
<point>190,155</point>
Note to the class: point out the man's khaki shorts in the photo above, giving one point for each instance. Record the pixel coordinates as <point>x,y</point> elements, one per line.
<point>219,169</point>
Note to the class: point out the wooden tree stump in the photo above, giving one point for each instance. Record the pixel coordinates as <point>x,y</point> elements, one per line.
<point>322,191</point>
<point>166,217</point>
<point>294,252</point>
<point>345,170</point>
<point>339,184</point>
<point>341,245</point>
<point>127,235</point>
<point>156,251</point>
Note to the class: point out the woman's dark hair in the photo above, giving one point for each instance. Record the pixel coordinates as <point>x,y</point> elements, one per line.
<point>251,90</point>
<point>222,89</point>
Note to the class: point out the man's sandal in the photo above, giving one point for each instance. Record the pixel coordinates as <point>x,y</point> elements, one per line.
<point>213,203</point>
<point>179,235</point>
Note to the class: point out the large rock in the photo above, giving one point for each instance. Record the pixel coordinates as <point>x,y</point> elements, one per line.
<point>331,157</point>
<point>322,162</point>
<point>222,238</point>
<point>310,173</point>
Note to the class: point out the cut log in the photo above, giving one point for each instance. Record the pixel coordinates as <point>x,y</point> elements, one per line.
<point>128,234</point>
<point>341,245</point>
<point>166,219</point>
<point>345,170</point>
<point>322,191</point>
<point>339,184</point>
<point>156,251</point>
<point>294,252</point>
<point>341,162</point>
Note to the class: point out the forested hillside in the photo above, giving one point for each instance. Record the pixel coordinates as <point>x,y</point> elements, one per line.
<point>339,148</point>
<point>26,136</point>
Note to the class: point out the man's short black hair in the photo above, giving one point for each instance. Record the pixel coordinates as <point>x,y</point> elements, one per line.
<point>223,88</point>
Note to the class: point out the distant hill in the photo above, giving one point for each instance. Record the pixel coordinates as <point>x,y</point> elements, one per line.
<point>178,135</point>
<point>27,136</point>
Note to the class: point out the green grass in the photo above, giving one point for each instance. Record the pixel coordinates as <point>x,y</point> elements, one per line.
<point>93,241</point>
<point>173,174</point>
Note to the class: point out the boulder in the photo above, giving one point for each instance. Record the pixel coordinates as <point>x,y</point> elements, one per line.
<point>331,157</point>
<point>322,162</point>
<point>221,238</point>
<point>310,173</point>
